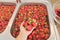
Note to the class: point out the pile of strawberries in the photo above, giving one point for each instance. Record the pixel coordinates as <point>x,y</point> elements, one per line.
<point>32,15</point>
<point>6,12</point>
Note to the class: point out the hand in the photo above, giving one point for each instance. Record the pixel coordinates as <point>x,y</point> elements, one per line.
<point>24,33</point>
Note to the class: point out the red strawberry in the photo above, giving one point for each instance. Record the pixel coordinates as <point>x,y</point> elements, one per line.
<point>29,27</point>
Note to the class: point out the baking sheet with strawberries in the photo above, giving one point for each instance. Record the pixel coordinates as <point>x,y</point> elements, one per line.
<point>32,15</point>
<point>6,12</point>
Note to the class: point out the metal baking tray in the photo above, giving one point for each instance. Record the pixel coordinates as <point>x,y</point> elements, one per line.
<point>5,34</point>
<point>54,33</point>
